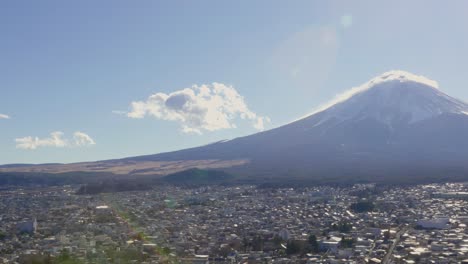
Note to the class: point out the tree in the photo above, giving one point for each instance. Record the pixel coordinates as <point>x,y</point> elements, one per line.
<point>343,227</point>
<point>293,247</point>
<point>224,251</point>
<point>362,206</point>
<point>257,243</point>
<point>65,258</point>
<point>277,240</point>
<point>347,242</point>
<point>387,235</point>
<point>245,243</point>
<point>165,251</point>
<point>314,245</point>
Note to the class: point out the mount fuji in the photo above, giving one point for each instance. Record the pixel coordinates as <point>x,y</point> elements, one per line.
<point>395,124</point>
<point>397,127</point>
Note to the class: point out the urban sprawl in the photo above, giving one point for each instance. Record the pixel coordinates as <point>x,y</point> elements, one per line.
<point>236,224</point>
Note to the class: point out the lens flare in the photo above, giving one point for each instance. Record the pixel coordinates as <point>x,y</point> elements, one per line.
<point>346,21</point>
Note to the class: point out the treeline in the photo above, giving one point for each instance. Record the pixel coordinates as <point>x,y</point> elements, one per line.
<point>106,255</point>
<point>110,186</point>
<point>187,178</point>
<point>50,179</point>
<point>97,182</point>
<point>197,176</point>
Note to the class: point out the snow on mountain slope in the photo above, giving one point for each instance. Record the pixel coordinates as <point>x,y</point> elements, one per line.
<point>395,97</point>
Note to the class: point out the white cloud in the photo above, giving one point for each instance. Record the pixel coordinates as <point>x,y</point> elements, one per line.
<point>199,108</point>
<point>3,116</point>
<point>82,139</point>
<point>56,139</point>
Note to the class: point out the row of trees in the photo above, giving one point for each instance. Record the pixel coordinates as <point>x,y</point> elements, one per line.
<point>362,206</point>
<point>125,256</point>
<point>303,247</point>
<point>293,247</point>
<point>342,227</point>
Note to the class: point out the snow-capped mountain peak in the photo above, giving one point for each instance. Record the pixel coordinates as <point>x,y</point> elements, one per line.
<point>393,97</point>
<point>400,76</point>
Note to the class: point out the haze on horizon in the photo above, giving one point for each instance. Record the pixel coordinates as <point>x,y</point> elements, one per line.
<point>93,81</point>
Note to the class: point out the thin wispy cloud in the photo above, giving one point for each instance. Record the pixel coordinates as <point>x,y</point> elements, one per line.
<point>199,108</point>
<point>119,112</point>
<point>4,116</point>
<point>56,139</point>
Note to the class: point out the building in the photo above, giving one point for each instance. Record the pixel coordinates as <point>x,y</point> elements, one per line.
<point>28,227</point>
<point>436,223</point>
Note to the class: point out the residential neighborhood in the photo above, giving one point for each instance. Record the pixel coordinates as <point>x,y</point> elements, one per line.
<point>363,223</point>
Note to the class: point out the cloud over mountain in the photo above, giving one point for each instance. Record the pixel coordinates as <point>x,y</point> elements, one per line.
<point>56,139</point>
<point>199,108</point>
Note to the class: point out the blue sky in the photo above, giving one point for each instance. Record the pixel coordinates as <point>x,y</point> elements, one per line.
<point>76,67</point>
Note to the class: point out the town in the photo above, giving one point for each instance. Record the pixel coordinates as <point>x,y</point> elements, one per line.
<point>363,223</point>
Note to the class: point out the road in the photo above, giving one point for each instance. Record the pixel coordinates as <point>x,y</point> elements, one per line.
<point>387,257</point>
